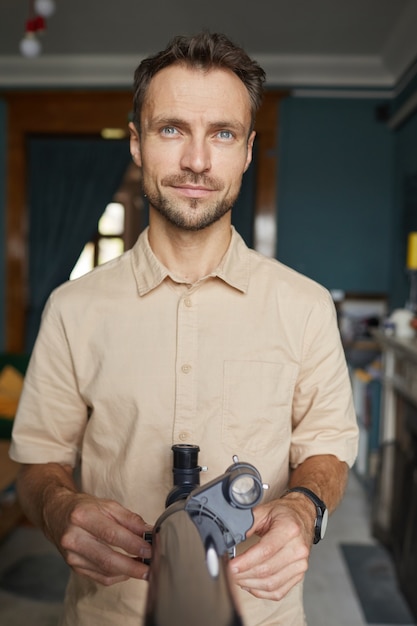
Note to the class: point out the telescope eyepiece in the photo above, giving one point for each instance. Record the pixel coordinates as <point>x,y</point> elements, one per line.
<point>186,471</point>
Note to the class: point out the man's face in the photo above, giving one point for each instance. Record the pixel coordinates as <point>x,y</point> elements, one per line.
<point>194,145</point>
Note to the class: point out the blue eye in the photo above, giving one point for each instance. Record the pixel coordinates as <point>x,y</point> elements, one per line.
<point>225,134</point>
<point>169,130</point>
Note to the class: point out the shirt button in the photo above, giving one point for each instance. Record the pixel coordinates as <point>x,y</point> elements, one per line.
<point>188,302</point>
<point>186,368</point>
<point>183,436</point>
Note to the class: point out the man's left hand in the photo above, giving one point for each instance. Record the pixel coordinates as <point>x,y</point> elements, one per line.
<point>272,567</point>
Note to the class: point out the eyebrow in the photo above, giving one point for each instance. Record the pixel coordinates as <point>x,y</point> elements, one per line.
<point>182,123</point>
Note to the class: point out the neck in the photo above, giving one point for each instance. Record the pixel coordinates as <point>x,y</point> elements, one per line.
<point>189,255</point>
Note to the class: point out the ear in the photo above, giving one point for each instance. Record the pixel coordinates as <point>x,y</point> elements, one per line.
<point>135,145</point>
<point>249,150</point>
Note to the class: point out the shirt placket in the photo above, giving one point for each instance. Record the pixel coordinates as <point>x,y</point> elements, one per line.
<point>186,369</point>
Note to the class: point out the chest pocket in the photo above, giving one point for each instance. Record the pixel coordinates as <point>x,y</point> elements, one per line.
<point>257,400</point>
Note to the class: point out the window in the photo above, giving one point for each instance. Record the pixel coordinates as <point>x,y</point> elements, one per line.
<point>108,242</point>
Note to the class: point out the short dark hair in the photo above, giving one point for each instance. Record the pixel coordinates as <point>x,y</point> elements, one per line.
<point>202,51</point>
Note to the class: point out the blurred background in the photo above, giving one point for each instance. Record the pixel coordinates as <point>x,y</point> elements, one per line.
<point>332,192</point>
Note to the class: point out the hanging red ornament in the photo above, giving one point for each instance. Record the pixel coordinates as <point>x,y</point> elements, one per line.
<point>39,10</point>
<point>40,24</point>
<point>31,26</point>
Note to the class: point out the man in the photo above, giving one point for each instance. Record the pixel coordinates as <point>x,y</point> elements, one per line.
<point>190,337</point>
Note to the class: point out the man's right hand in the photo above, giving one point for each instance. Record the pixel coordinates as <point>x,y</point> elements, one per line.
<point>98,538</point>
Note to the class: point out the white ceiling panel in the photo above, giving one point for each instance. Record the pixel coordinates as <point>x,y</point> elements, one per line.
<point>301,42</point>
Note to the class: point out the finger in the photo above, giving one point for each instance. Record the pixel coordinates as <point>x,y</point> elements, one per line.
<point>130,520</point>
<point>89,511</point>
<point>101,560</point>
<point>253,558</point>
<point>263,562</point>
<point>106,523</point>
<point>80,548</point>
<point>271,574</point>
<point>272,580</point>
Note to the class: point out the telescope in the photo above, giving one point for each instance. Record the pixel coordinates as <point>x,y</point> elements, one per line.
<point>193,541</point>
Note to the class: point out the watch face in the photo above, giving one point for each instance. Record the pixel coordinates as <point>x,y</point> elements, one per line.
<point>324,521</point>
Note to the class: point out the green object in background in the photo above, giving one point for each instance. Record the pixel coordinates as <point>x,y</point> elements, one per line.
<point>6,425</point>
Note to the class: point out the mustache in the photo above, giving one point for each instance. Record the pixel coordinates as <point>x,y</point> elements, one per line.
<point>191,178</point>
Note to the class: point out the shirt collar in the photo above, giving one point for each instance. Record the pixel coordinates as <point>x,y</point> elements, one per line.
<point>149,272</point>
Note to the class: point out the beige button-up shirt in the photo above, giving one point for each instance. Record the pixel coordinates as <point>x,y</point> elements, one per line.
<point>130,360</point>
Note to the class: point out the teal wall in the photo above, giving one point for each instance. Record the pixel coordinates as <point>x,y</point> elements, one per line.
<point>404,205</point>
<point>3,122</point>
<point>336,182</point>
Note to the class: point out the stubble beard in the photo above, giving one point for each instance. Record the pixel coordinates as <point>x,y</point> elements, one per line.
<point>186,215</point>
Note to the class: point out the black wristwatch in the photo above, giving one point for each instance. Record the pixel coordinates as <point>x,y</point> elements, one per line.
<point>320,524</point>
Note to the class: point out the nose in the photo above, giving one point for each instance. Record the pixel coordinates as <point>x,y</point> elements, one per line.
<point>196,155</point>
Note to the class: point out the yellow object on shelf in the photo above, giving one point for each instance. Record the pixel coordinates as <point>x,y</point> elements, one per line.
<point>412,251</point>
<point>11,383</point>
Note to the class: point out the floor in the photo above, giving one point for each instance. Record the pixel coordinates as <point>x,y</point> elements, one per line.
<point>15,610</point>
<point>330,599</point>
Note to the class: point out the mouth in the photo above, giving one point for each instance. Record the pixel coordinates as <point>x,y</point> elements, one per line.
<point>193,186</point>
<point>193,191</point>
